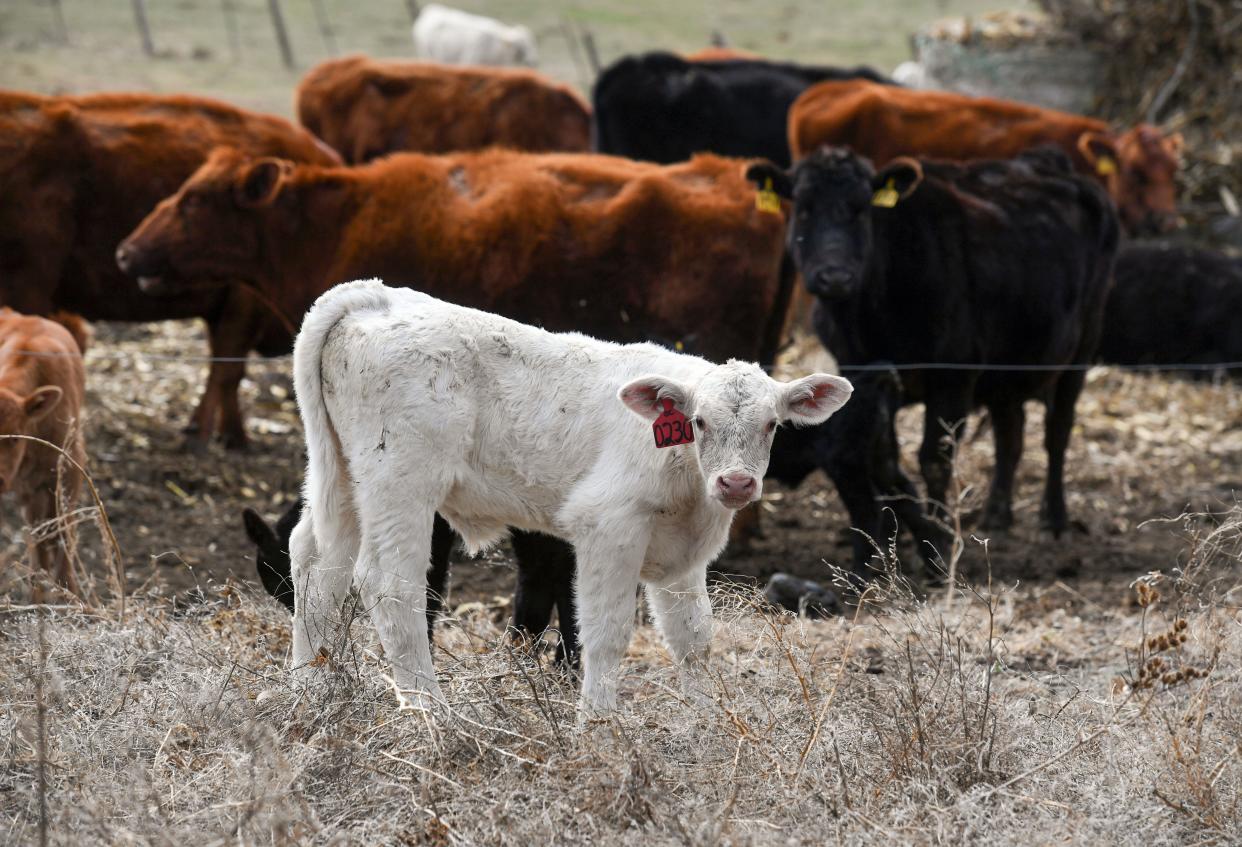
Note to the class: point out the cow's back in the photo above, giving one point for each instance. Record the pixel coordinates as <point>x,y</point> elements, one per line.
<point>882,122</point>
<point>92,167</point>
<point>614,248</point>
<point>366,108</point>
<point>35,352</point>
<point>1173,304</point>
<point>663,108</point>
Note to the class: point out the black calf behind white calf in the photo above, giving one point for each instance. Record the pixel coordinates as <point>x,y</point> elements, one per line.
<point>545,575</point>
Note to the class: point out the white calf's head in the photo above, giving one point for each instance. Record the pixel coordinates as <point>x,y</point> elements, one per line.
<point>735,409</point>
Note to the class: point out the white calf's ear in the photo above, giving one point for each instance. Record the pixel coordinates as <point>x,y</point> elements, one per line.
<point>813,399</point>
<point>644,394</point>
<point>41,401</point>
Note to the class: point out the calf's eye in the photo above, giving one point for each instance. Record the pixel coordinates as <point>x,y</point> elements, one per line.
<point>771,426</point>
<point>698,423</point>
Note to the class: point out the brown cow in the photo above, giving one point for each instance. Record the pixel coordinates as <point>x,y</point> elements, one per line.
<point>614,248</point>
<point>366,109</point>
<point>79,173</point>
<point>1139,168</point>
<point>42,385</point>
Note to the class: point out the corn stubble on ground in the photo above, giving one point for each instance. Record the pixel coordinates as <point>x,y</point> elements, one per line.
<point>977,716</point>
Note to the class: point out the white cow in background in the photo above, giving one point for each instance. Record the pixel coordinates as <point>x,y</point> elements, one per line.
<point>448,35</point>
<point>414,406</point>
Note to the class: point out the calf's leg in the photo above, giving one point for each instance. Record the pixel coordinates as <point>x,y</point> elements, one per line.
<point>545,581</point>
<point>609,562</point>
<point>320,581</point>
<point>683,614</point>
<point>391,572</point>
<point>442,540</point>
<point>51,553</point>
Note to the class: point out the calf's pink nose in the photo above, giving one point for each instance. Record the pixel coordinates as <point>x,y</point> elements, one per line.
<point>736,485</point>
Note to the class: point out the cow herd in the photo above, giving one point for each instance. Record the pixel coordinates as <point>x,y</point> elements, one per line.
<point>581,273</point>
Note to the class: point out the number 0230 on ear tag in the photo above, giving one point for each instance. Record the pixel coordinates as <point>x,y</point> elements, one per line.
<point>671,427</point>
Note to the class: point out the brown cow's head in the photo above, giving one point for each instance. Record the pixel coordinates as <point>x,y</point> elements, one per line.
<point>1140,169</point>
<point>834,192</point>
<point>18,416</point>
<point>210,230</point>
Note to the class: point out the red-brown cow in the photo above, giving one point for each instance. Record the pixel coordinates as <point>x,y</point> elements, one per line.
<point>1139,168</point>
<point>79,173</point>
<point>614,248</point>
<point>366,109</point>
<point>42,385</point>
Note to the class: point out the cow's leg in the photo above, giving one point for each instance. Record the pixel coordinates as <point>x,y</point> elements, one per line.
<point>849,473</point>
<point>442,540</point>
<point>1058,424</point>
<point>320,581</point>
<point>607,584</point>
<point>391,572</point>
<point>232,333</point>
<point>683,614</point>
<point>1008,422</point>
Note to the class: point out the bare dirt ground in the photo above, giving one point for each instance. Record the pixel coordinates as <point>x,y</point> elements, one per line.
<point>1146,448</point>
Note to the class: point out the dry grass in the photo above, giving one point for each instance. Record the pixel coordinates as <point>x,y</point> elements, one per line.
<point>987,721</point>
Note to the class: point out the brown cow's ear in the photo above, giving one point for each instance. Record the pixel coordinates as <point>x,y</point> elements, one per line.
<point>766,175</point>
<point>1100,151</point>
<point>388,86</point>
<point>896,181</point>
<point>40,403</point>
<point>259,182</point>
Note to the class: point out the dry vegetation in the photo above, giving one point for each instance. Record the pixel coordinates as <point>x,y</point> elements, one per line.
<point>981,717</point>
<point>1064,694</point>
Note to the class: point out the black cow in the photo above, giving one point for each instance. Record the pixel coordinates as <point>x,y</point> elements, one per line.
<point>544,582</point>
<point>663,108</point>
<point>992,263</point>
<point>1173,305</point>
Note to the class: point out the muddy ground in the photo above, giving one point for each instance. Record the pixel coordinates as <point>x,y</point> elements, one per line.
<point>1146,448</point>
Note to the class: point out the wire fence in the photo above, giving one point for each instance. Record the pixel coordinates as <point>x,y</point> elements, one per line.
<point>872,367</point>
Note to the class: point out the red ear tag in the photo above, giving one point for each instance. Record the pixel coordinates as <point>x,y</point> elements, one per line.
<point>672,428</point>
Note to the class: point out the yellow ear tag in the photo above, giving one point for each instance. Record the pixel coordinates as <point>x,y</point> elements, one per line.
<point>766,199</point>
<point>886,197</point>
<point>1105,165</point>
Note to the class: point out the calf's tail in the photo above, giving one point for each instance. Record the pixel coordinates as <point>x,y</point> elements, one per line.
<point>327,487</point>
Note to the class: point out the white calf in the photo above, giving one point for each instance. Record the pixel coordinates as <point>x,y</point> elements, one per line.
<point>412,405</point>
<point>448,35</point>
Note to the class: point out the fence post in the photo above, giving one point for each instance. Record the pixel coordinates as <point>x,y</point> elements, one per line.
<point>61,27</point>
<point>144,31</point>
<point>282,36</point>
<point>411,6</point>
<point>325,28</point>
<point>230,28</point>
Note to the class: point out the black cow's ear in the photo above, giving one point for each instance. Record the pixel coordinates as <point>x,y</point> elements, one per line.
<point>766,175</point>
<point>258,530</point>
<point>260,181</point>
<point>897,180</point>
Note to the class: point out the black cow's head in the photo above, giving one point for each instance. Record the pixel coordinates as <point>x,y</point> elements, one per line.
<point>834,193</point>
